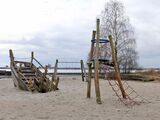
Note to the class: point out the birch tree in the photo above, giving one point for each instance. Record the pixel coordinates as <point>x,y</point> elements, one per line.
<point>114,22</point>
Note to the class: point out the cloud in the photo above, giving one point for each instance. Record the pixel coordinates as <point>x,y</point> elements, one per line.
<point>144,16</point>
<point>53,29</point>
<point>62,29</point>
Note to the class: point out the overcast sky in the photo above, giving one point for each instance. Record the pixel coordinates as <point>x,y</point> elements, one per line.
<point>62,28</point>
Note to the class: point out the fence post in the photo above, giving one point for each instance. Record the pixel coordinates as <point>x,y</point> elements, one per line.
<point>55,71</point>
<point>82,72</point>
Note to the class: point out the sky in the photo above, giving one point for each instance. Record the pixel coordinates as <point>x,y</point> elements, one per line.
<point>61,29</point>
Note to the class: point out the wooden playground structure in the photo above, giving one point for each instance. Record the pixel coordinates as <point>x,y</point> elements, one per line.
<point>122,89</point>
<point>27,76</point>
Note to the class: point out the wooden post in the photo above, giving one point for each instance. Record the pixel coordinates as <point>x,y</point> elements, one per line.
<point>92,45</point>
<point>11,57</point>
<point>46,70</point>
<point>89,80</point>
<point>55,71</point>
<point>82,70</point>
<point>90,66</point>
<point>84,74</point>
<point>96,64</point>
<point>32,57</point>
<point>116,67</point>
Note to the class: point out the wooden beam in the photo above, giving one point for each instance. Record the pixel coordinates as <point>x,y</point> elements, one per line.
<point>96,63</point>
<point>116,67</point>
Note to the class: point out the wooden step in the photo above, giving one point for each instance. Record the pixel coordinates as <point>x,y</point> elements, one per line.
<point>26,68</point>
<point>29,78</point>
<point>27,71</point>
<point>29,75</point>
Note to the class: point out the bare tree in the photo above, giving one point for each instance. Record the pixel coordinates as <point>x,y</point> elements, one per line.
<point>115,22</point>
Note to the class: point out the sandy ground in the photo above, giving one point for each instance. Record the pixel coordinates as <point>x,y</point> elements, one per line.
<point>70,102</point>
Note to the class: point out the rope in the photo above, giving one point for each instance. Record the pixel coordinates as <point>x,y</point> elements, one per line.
<point>133,98</point>
<point>68,62</point>
<point>22,58</point>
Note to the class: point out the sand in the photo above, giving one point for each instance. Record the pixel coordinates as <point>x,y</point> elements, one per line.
<point>70,102</point>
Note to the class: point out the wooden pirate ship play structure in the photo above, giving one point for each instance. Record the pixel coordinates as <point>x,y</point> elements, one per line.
<point>27,76</point>
<point>106,61</point>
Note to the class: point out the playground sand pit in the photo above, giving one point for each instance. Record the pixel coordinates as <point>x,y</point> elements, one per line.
<point>70,102</point>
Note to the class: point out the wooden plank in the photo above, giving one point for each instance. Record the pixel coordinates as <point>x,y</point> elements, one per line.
<point>96,64</point>
<point>116,67</point>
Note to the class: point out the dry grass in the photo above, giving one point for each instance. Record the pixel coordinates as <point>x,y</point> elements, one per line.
<point>151,74</point>
<point>145,76</point>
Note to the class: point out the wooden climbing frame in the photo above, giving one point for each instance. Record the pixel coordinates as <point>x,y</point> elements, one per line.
<point>93,63</point>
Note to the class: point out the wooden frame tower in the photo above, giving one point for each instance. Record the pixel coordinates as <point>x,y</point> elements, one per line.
<point>93,63</point>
